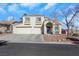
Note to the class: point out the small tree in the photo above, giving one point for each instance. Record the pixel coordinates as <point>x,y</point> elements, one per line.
<point>69,16</point>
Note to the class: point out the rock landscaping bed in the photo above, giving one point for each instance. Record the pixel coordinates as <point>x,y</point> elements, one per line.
<point>56,38</point>
<point>61,38</point>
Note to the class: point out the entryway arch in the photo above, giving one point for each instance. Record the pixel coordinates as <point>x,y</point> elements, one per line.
<point>49,26</point>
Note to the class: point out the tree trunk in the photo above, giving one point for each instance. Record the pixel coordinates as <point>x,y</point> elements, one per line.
<point>68,30</point>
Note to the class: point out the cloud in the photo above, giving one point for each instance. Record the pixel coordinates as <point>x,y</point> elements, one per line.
<point>12,8</point>
<point>49,5</point>
<point>10,18</point>
<point>30,5</point>
<point>3,5</point>
<point>2,10</point>
<point>21,12</point>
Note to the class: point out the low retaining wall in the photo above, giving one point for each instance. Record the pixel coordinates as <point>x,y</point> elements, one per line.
<point>50,38</point>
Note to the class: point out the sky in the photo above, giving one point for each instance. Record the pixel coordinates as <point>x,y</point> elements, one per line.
<point>14,11</point>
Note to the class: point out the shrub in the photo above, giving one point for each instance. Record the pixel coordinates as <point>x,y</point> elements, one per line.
<point>49,24</point>
<point>75,34</point>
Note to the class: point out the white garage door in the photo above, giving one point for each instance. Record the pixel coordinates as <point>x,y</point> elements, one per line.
<point>27,30</point>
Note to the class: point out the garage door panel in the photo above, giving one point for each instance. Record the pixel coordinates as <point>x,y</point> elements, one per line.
<point>27,31</point>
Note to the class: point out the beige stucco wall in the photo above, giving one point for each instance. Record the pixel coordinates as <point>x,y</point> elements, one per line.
<point>34,29</point>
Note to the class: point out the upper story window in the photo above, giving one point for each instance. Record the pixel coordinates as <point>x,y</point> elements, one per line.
<point>46,18</point>
<point>38,20</point>
<point>27,21</point>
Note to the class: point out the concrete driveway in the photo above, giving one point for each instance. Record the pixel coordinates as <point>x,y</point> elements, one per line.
<point>22,38</point>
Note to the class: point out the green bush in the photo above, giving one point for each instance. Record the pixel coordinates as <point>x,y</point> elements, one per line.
<point>75,34</point>
<point>49,24</point>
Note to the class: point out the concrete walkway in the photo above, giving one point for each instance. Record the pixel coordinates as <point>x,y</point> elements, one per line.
<point>22,38</point>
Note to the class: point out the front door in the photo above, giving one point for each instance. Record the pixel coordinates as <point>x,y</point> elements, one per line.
<point>49,31</point>
<point>49,28</point>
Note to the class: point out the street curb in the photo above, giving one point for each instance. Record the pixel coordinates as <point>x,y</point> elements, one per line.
<point>66,43</point>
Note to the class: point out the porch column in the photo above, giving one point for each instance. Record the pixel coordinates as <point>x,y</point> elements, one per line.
<point>11,27</point>
<point>45,29</point>
<point>23,19</point>
<point>59,29</point>
<point>53,30</point>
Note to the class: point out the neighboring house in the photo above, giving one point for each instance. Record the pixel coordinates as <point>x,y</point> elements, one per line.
<point>2,29</point>
<point>6,26</point>
<point>37,24</point>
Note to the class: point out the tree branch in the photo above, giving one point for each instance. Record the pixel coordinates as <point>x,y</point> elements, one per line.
<point>72,17</point>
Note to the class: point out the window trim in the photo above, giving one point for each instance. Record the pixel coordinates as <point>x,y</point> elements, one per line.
<point>27,21</point>
<point>38,21</point>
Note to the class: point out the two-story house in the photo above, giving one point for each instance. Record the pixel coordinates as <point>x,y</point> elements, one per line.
<point>37,24</point>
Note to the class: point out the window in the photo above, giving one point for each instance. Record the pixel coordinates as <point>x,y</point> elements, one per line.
<point>27,21</point>
<point>38,20</point>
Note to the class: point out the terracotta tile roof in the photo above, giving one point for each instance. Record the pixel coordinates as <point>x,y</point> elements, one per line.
<point>36,15</point>
<point>7,22</point>
<point>56,22</point>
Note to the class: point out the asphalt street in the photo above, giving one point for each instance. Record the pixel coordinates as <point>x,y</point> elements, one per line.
<point>34,49</point>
